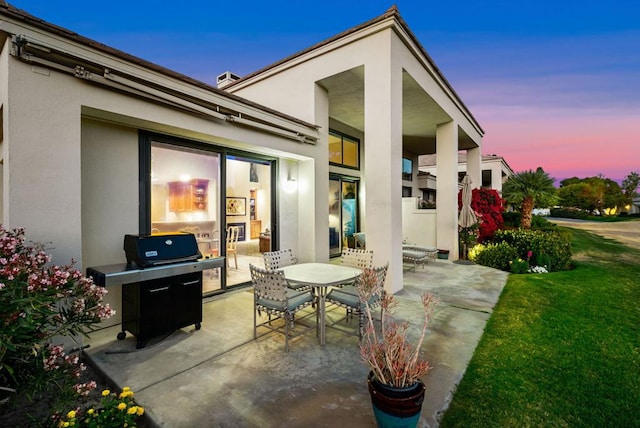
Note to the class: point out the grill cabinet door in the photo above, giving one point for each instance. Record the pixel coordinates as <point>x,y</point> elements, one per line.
<point>188,299</point>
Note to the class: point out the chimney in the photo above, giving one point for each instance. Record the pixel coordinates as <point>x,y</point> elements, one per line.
<point>226,78</point>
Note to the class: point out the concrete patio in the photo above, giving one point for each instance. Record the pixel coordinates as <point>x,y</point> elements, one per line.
<point>220,377</point>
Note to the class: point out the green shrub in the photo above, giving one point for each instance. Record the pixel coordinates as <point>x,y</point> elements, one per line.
<point>542,259</point>
<point>568,213</point>
<point>519,266</point>
<point>551,246</point>
<point>511,219</point>
<point>540,222</point>
<point>495,255</point>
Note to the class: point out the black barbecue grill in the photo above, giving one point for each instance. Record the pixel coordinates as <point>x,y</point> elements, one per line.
<point>161,283</point>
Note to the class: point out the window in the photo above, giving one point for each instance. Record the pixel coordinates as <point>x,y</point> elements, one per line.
<point>406,192</point>
<point>486,178</point>
<point>344,150</point>
<point>407,169</point>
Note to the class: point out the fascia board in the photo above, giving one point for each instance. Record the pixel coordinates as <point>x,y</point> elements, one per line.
<point>82,52</point>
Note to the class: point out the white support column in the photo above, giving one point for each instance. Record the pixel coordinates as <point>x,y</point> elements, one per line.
<point>317,196</point>
<point>447,187</point>
<point>383,166</point>
<point>496,177</point>
<point>474,167</point>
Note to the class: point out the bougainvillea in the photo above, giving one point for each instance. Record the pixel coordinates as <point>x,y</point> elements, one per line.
<point>489,207</point>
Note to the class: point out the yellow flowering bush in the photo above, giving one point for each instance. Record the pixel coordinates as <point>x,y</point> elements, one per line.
<point>115,410</point>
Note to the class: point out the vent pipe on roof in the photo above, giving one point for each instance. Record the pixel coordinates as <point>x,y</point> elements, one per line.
<point>226,78</point>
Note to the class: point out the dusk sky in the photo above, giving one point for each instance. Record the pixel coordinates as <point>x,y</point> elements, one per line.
<point>554,84</point>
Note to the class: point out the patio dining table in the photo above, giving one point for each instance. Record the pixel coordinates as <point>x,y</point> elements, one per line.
<point>320,276</point>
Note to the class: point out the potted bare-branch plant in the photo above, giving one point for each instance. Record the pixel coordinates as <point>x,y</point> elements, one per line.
<point>397,367</point>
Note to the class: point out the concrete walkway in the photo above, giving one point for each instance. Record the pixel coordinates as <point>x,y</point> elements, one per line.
<point>220,377</point>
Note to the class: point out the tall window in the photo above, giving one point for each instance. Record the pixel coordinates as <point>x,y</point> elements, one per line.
<point>344,150</point>
<point>407,169</point>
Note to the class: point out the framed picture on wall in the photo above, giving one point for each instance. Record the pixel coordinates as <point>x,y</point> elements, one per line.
<point>236,206</point>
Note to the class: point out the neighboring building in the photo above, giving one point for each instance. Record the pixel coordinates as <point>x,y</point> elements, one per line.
<point>97,144</point>
<point>635,205</point>
<point>495,171</point>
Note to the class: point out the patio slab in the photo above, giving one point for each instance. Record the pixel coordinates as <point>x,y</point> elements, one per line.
<point>220,377</point>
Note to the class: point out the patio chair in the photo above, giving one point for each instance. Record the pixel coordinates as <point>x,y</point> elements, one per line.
<point>357,257</point>
<point>272,296</point>
<point>347,297</point>
<point>274,260</point>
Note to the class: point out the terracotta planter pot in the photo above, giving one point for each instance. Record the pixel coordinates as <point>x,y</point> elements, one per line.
<point>396,407</point>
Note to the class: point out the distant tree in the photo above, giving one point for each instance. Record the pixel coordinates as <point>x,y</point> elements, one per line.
<point>528,189</point>
<point>570,181</point>
<point>593,194</point>
<point>630,186</point>
<point>577,195</point>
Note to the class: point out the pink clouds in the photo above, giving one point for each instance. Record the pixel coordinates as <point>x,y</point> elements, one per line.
<point>580,145</point>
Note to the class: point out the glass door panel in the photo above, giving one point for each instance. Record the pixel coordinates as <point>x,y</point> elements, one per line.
<point>343,213</point>
<point>335,242</point>
<point>185,193</point>
<point>247,208</point>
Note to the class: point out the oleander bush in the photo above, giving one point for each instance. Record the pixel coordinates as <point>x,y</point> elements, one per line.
<point>40,304</point>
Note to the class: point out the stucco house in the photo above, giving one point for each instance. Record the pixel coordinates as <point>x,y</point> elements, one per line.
<point>495,171</point>
<point>97,143</point>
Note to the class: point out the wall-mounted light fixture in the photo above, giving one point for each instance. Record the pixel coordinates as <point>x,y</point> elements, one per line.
<point>291,185</point>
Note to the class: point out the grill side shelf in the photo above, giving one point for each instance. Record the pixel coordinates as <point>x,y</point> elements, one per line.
<point>121,273</point>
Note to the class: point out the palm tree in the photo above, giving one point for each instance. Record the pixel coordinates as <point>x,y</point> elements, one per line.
<point>528,189</point>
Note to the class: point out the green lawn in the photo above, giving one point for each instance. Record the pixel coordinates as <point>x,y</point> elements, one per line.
<point>561,349</point>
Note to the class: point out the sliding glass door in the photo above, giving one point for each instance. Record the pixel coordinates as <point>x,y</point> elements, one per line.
<point>343,213</point>
<point>185,198</point>
<point>210,192</point>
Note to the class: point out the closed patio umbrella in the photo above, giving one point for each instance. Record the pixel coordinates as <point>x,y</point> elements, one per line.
<point>467,217</point>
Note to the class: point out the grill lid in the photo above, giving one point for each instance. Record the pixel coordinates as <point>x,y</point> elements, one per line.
<point>159,249</point>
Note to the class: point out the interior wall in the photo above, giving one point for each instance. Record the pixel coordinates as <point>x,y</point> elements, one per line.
<point>239,186</point>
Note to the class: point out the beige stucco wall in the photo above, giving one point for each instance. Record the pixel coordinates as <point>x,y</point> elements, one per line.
<point>71,173</point>
<point>418,226</point>
<point>42,168</point>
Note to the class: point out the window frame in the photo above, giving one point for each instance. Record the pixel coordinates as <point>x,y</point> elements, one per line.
<point>405,176</point>
<point>350,139</point>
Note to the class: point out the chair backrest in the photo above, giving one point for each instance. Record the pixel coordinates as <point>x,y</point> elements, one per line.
<point>232,237</point>
<point>357,257</point>
<point>278,259</point>
<point>380,273</point>
<point>191,229</point>
<point>270,285</point>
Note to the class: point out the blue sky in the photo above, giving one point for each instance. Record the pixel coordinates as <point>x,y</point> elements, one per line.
<point>553,84</point>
